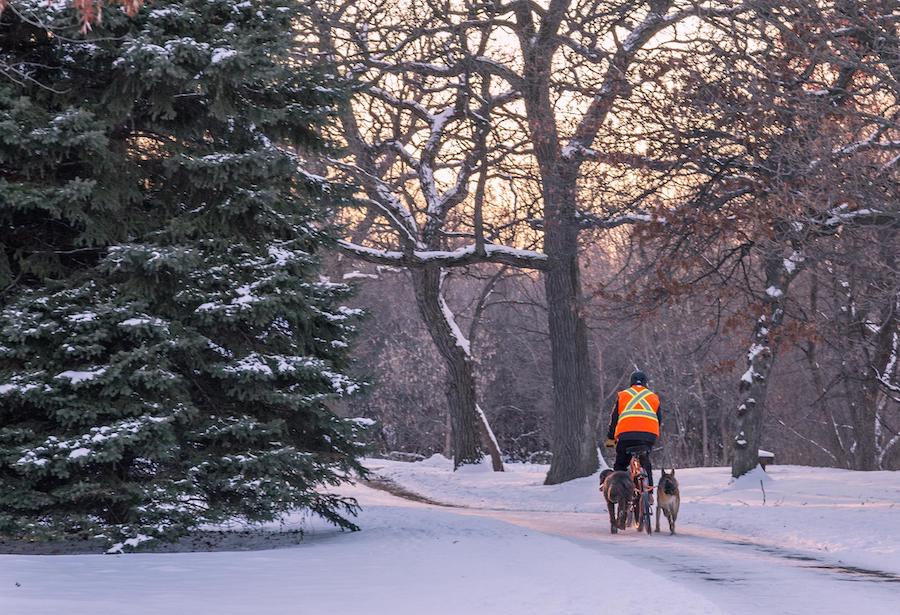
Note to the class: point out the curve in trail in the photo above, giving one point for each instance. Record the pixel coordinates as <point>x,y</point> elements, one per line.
<point>738,575</point>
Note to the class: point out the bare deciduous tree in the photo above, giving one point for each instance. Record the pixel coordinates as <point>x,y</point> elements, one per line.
<point>417,141</point>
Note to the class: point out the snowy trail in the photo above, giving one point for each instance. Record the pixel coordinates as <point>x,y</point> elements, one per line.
<point>826,542</point>
<point>738,576</point>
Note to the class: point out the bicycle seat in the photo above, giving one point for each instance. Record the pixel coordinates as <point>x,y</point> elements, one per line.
<point>639,450</point>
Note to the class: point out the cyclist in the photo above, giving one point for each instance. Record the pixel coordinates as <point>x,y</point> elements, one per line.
<point>634,421</point>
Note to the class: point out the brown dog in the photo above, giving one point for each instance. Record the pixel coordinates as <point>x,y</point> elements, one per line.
<point>668,499</point>
<point>616,488</point>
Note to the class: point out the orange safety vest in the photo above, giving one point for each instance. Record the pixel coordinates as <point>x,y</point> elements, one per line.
<point>637,411</point>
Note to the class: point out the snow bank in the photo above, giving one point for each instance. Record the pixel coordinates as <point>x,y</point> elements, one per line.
<point>753,479</point>
<point>519,487</point>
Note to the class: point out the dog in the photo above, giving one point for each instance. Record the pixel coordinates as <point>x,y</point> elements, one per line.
<point>616,488</point>
<point>668,499</point>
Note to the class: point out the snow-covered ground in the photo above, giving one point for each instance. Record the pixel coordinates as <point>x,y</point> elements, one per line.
<point>409,559</point>
<point>845,516</point>
<point>823,542</point>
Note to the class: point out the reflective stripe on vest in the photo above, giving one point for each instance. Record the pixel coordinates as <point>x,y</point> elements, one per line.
<point>637,406</point>
<point>638,413</point>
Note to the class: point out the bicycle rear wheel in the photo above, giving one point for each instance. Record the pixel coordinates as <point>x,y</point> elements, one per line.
<point>645,513</point>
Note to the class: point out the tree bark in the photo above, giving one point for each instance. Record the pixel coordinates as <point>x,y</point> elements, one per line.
<point>704,420</point>
<point>460,389</point>
<point>754,386</point>
<point>878,358</point>
<point>573,443</point>
<point>865,456</point>
<point>488,441</point>
<point>887,438</point>
<point>470,434</point>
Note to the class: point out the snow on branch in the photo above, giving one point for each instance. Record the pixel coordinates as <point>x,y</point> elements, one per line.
<point>450,319</point>
<point>867,144</point>
<point>842,214</point>
<point>430,149</point>
<point>385,201</point>
<point>887,166</point>
<point>576,149</point>
<point>467,255</point>
<point>591,221</point>
<point>887,384</point>
<point>404,154</point>
<point>416,108</point>
<point>884,376</point>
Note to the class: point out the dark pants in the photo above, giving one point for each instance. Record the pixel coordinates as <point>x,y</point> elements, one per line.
<point>623,458</point>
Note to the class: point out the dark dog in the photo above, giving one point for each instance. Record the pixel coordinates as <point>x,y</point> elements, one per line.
<point>616,488</point>
<point>668,499</point>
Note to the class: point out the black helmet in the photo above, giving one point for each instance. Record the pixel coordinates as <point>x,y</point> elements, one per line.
<point>639,377</point>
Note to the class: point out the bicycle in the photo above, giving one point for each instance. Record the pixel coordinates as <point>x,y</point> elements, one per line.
<point>643,493</point>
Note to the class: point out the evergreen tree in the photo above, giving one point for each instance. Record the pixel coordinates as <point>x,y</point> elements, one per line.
<point>168,350</point>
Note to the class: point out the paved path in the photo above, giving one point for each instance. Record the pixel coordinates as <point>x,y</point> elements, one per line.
<point>737,575</point>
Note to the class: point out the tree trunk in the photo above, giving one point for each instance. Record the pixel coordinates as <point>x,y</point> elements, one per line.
<point>704,420</point>
<point>573,444</point>
<point>488,440</point>
<point>469,432</point>
<point>448,435</point>
<point>881,359</point>
<point>886,438</point>
<point>573,441</point>
<point>726,434</point>
<point>867,417</point>
<point>754,386</point>
<point>865,456</point>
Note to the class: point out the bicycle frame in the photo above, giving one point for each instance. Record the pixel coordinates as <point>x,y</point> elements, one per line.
<point>642,493</point>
